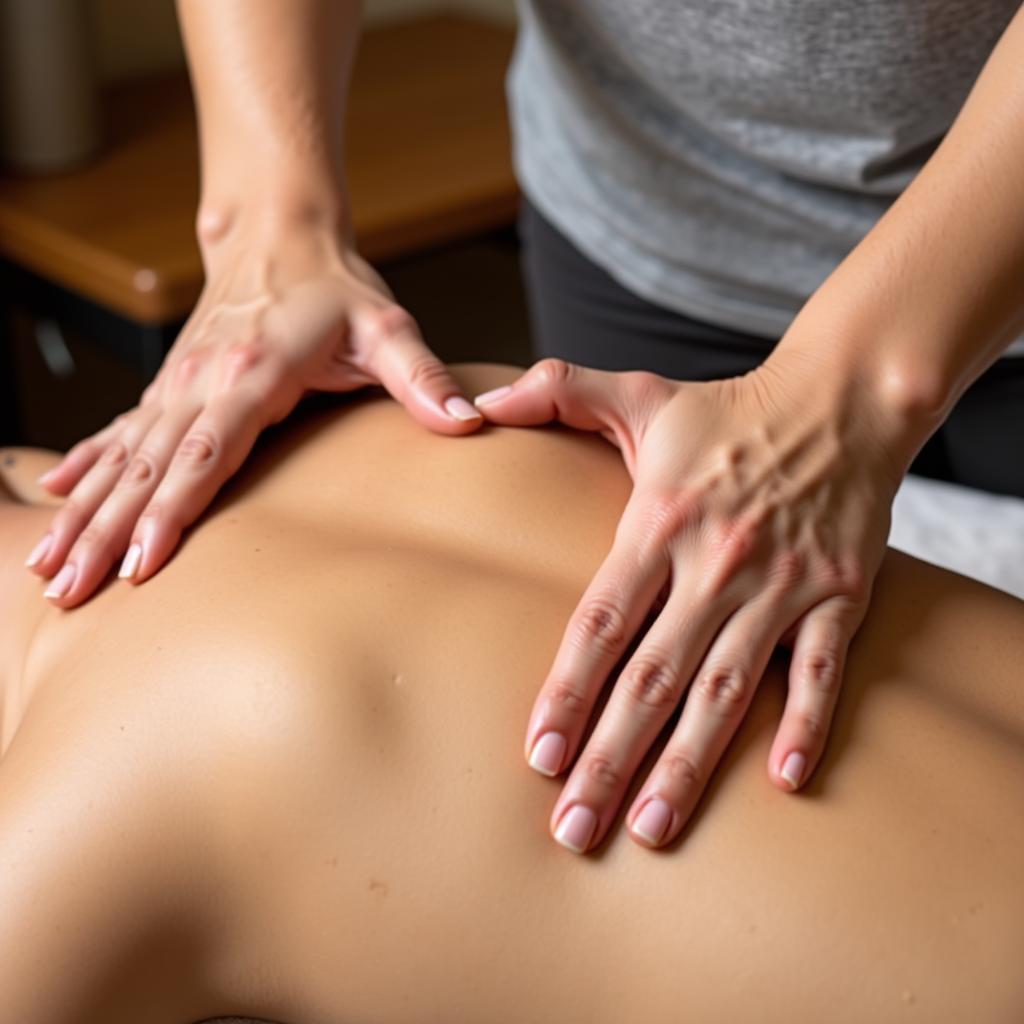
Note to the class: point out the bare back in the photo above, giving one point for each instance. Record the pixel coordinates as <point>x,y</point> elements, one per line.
<point>285,778</point>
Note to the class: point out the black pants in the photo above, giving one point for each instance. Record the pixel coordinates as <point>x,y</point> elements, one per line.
<point>579,313</point>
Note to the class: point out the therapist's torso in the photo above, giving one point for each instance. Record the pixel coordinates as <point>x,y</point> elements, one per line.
<point>720,157</point>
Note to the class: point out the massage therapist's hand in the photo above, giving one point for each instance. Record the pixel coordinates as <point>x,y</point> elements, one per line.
<point>759,512</point>
<point>282,313</point>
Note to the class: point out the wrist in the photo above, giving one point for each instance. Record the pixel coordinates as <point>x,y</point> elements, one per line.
<point>874,394</point>
<point>273,211</point>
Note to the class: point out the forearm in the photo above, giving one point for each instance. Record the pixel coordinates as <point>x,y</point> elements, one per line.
<point>270,80</point>
<point>935,292</point>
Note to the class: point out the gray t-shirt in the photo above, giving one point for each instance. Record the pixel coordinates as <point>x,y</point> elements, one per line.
<point>720,157</point>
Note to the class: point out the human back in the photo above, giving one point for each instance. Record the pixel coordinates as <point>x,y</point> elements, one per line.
<point>328,689</point>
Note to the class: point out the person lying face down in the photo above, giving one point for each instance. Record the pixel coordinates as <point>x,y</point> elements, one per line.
<point>284,779</point>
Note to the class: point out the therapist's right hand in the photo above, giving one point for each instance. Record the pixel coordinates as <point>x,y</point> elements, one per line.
<point>283,313</point>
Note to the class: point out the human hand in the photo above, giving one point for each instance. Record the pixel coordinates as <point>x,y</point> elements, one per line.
<point>762,508</point>
<point>282,313</point>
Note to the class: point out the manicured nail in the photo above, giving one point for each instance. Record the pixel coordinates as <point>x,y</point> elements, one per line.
<point>653,821</point>
<point>793,768</point>
<point>548,752</point>
<point>39,552</point>
<point>130,565</point>
<point>492,396</point>
<point>62,582</point>
<point>458,408</point>
<point>576,828</point>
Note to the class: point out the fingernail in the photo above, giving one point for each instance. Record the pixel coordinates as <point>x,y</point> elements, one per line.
<point>458,408</point>
<point>39,552</point>
<point>46,477</point>
<point>576,828</point>
<point>548,752</point>
<point>62,582</point>
<point>793,768</point>
<point>492,396</point>
<point>130,565</point>
<point>653,821</point>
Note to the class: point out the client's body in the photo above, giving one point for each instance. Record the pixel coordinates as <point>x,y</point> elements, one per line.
<point>285,778</point>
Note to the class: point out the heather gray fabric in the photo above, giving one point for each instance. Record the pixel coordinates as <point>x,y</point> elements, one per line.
<point>720,157</point>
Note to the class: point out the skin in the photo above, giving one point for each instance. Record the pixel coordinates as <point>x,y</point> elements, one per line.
<point>771,527</point>
<point>283,780</point>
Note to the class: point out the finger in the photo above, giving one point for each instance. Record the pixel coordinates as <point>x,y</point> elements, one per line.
<point>80,459</point>
<point>577,396</point>
<point>105,537</point>
<point>647,692</point>
<point>213,448</point>
<point>717,702</point>
<point>815,677</point>
<point>88,494</point>
<point>604,622</point>
<point>414,376</point>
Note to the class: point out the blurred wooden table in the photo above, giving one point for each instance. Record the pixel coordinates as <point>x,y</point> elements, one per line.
<point>429,162</point>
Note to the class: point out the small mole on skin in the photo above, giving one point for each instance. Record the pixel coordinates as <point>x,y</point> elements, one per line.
<point>380,888</point>
<point>9,460</point>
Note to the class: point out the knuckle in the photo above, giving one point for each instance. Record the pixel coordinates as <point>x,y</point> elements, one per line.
<point>682,771</point>
<point>140,470</point>
<point>199,449</point>
<point>726,687</point>
<point>384,322</point>
<point>821,672</point>
<point>247,354</point>
<point>651,680</point>
<point>71,516</point>
<point>788,567</point>
<point>95,538</point>
<point>160,513</point>
<point>553,372</point>
<point>601,625</point>
<point>664,517</point>
<point>115,454</point>
<point>854,581</point>
<point>602,769</point>
<point>189,366</point>
<point>566,696</point>
<point>737,537</point>
<point>811,725</point>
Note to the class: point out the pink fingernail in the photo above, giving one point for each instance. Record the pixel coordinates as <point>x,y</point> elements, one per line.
<point>492,396</point>
<point>39,552</point>
<point>458,408</point>
<point>130,565</point>
<point>793,768</point>
<point>653,821</point>
<point>576,828</point>
<point>548,752</point>
<point>62,582</point>
<point>46,477</point>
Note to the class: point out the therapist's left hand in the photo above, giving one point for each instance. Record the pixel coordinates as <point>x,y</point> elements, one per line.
<point>759,513</point>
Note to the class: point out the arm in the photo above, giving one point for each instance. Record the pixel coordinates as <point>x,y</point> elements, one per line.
<point>270,81</point>
<point>761,504</point>
<point>934,293</point>
<point>288,307</point>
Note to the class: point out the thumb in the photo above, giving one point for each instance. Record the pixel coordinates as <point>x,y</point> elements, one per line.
<point>554,389</point>
<point>414,376</point>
